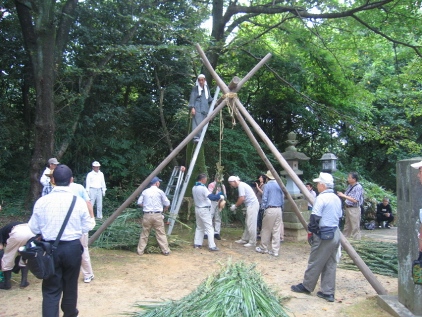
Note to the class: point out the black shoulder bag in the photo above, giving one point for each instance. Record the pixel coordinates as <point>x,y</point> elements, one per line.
<point>38,255</point>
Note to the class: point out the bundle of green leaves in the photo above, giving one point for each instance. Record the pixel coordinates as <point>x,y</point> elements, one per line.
<point>237,290</point>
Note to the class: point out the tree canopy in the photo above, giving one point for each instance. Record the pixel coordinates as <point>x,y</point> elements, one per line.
<point>110,81</point>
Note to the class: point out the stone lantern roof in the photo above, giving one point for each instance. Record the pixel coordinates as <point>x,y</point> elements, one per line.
<point>292,155</point>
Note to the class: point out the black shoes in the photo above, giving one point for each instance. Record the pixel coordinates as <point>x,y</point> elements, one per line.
<point>327,297</point>
<point>217,236</point>
<point>205,237</point>
<point>299,288</point>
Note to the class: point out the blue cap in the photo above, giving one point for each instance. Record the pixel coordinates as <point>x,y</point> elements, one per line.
<point>154,180</point>
<point>62,175</point>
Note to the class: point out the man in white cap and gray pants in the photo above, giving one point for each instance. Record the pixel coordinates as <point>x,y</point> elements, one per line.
<point>96,187</point>
<point>325,241</point>
<point>247,197</point>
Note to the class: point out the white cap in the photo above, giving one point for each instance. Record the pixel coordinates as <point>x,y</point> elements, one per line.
<point>416,165</point>
<point>324,178</point>
<point>96,163</point>
<point>201,76</point>
<point>234,179</point>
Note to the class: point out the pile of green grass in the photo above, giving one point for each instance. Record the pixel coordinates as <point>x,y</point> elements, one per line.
<point>124,233</point>
<point>380,257</point>
<point>237,290</point>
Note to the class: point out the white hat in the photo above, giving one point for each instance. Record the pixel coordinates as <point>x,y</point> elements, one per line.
<point>96,163</point>
<point>270,175</point>
<point>324,178</point>
<point>416,165</point>
<point>53,160</point>
<point>233,179</point>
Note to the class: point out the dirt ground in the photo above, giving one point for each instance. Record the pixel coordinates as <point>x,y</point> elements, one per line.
<point>123,278</point>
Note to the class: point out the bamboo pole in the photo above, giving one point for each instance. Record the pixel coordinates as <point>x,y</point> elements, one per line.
<point>267,162</point>
<point>158,169</point>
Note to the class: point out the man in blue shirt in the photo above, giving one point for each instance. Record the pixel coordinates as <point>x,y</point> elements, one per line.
<point>323,225</point>
<point>272,203</point>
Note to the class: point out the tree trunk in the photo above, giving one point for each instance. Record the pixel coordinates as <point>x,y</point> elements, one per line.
<point>39,36</point>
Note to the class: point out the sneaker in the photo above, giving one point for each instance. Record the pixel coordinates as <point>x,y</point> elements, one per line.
<point>327,297</point>
<point>248,245</point>
<point>299,288</point>
<point>259,250</point>
<point>214,249</point>
<point>241,241</point>
<point>197,246</point>
<point>88,279</point>
<point>272,253</point>
<point>217,236</point>
<point>205,237</point>
<point>387,226</point>
<point>166,253</point>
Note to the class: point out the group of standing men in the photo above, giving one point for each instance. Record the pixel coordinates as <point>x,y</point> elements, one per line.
<point>48,215</point>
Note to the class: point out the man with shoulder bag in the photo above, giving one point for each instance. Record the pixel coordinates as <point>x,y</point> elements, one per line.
<point>47,219</point>
<point>325,241</point>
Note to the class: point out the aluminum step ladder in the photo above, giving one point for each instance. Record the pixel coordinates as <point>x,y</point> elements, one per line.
<point>179,200</point>
<point>173,187</point>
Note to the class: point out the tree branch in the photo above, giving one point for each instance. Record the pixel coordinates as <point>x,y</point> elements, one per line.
<point>414,47</point>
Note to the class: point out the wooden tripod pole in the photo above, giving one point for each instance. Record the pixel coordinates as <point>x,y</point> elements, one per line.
<point>159,168</point>
<point>273,171</point>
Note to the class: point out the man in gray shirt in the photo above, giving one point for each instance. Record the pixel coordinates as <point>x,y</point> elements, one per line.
<point>323,225</point>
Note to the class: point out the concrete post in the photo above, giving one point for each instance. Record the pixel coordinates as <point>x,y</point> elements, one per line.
<point>409,201</point>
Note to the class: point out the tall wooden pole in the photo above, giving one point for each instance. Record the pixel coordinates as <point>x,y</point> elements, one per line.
<point>159,168</point>
<point>267,162</point>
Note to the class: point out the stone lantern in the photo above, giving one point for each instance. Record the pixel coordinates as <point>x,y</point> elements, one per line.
<point>293,228</point>
<point>292,156</point>
<point>329,163</point>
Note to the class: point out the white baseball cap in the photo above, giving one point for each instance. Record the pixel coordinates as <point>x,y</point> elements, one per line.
<point>324,178</point>
<point>416,165</point>
<point>96,163</point>
<point>233,179</point>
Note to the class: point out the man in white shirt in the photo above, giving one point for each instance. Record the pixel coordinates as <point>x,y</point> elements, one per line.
<point>96,187</point>
<point>202,198</point>
<point>153,202</point>
<point>247,197</point>
<point>47,218</point>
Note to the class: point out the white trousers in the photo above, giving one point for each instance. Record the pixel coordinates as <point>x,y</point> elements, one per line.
<point>249,234</point>
<point>86,267</point>
<point>204,226</point>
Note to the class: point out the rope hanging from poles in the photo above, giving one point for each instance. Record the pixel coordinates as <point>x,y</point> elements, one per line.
<point>230,96</point>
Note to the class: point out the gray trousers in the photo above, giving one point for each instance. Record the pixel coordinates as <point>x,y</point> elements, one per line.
<point>216,216</point>
<point>322,261</point>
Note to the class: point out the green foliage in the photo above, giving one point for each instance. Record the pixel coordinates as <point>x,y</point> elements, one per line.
<point>237,290</point>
